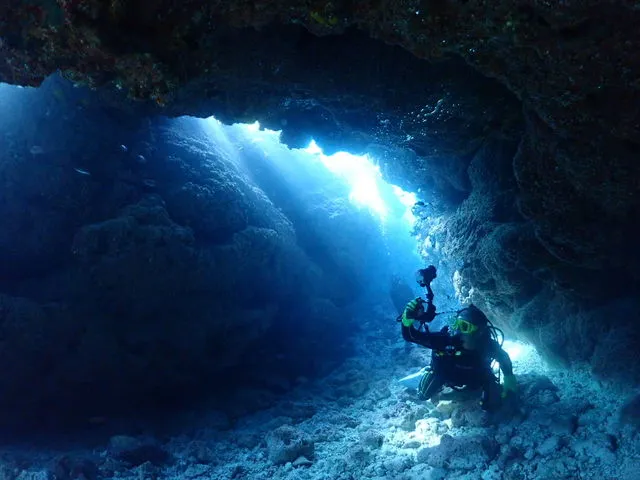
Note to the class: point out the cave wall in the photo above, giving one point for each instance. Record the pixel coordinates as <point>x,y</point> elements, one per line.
<point>549,245</point>
<point>143,267</point>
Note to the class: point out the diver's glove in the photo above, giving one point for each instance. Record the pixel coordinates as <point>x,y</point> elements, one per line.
<point>411,311</point>
<point>509,386</point>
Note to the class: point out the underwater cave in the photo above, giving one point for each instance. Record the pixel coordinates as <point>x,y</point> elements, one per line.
<point>216,219</point>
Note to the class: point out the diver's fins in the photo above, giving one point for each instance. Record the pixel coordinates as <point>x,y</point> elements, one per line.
<point>413,380</point>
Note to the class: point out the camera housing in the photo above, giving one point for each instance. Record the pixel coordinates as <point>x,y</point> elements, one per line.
<point>425,276</point>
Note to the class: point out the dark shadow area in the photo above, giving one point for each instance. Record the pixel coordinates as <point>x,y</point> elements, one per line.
<point>163,270</point>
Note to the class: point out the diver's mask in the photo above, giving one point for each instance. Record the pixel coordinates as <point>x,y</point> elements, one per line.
<point>464,326</point>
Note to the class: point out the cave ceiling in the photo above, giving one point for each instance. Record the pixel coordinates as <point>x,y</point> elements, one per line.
<point>575,64</point>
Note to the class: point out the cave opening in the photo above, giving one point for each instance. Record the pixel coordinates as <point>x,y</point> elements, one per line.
<point>123,219</point>
<point>276,167</point>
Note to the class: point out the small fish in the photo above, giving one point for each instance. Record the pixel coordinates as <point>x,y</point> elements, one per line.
<point>123,148</point>
<point>82,171</point>
<point>149,183</point>
<point>141,159</point>
<point>97,420</point>
<point>36,150</point>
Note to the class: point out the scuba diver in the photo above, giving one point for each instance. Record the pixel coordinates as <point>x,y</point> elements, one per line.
<point>461,359</point>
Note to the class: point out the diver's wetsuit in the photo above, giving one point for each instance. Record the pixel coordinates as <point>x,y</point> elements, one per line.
<point>455,366</point>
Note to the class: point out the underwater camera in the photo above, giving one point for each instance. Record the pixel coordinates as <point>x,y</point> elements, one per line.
<point>425,276</point>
